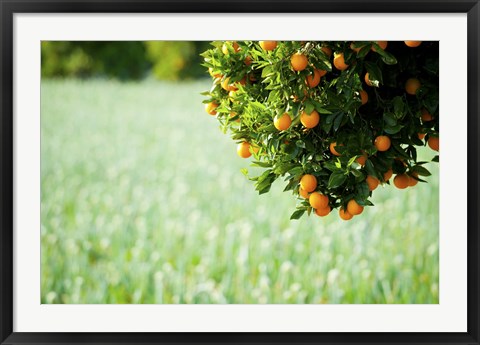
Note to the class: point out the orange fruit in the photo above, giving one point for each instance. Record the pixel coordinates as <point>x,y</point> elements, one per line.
<point>363,96</point>
<point>421,135</point>
<point>303,193</point>
<point>268,45</point>
<point>413,181</point>
<point>214,75</point>
<point>412,85</point>
<point>382,143</point>
<point>372,182</point>
<point>210,108</point>
<point>362,159</point>
<point>345,215</point>
<point>248,61</point>
<point>327,51</point>
<point>322,72</point>
<point>413,44</point>
<point>318,200</point>
<point>225,46</point>
<point>243,150</point>
<point>313,80</point>
<point>354,208</point>
<point>310,120</point>
<point>401,181</point>
<point>388,175</point>
<point>299,62</point>
<point>322,212</point>
<point>227,86</point>
<point>426,116</point>
<point>367,79</point>
<point>339,62</point>
<point>308,183</point>
<point>332,149</point>
<point>382,44</point>
<point>282,122</point>
<point>434,143</point>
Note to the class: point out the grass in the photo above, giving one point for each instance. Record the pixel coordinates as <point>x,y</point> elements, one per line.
<point>143,202</point>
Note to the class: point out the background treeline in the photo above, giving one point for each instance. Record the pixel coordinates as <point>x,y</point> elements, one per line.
<point>165,60</point>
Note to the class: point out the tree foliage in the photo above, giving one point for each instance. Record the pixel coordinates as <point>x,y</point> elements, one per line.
<point>253,86</point>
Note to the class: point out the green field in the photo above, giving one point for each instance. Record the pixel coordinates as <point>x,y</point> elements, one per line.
<point>143,201</point>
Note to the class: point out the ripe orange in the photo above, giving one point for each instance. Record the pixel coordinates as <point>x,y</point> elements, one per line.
<point>382,44</point>
<point>388,175</point>
<point>382,143</point>
<point>310,120</point>
<point>367,79</point>
<point>345,215</point>
<point>313,80</point>
<point>303,193</point>
<point>327,51</point>
<point>362,159</point>
<point>426,116</point>
<point>322,72</point>
<point>225,46</point>
<point>299,62</point>
<point>332,149</point>
<point>412,85</point>
<point>210,108</point>
<point>372,182</point>
<point>243,150</point>
<point>214,75</point>
<point>364,96</point>
<point>421,135</point>
<point>339,62</point>
<point>322,212</point>
<point>282,122</point>
<point>401,181</point>
<point>434,143</point>
<point>227,86</point>
<point>318,200</point>
<point>413,44</point>
<point>413,181</point>
<point>308,183</point>
<point>354,208</point>
<point>268,45</point>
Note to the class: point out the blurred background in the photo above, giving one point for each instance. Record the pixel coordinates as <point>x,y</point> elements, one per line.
<point>143,200</point>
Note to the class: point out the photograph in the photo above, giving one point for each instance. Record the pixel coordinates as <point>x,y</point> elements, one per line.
<point>239,172</point>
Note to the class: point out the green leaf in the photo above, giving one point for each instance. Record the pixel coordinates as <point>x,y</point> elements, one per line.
<point>388,58</point>
<point>300,143</point>
<point>420,170</point>
<point>262,164</point>
<point>374,72</point>
<point>337,122</point>
<point>297,214</point>
<point>336,179</point>
<point>389,119</point>
<point>392,129</point>
<point>309,107</point>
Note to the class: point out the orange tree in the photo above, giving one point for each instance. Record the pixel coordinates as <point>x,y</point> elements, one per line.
<point>332,119</point>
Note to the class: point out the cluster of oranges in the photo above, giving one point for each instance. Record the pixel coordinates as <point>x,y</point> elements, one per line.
<point>255,94</point>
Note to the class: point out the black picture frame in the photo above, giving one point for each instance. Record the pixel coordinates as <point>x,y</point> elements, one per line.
<point>7,10</point>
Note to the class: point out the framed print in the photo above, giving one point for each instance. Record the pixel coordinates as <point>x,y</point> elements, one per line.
<point>169,177</point>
